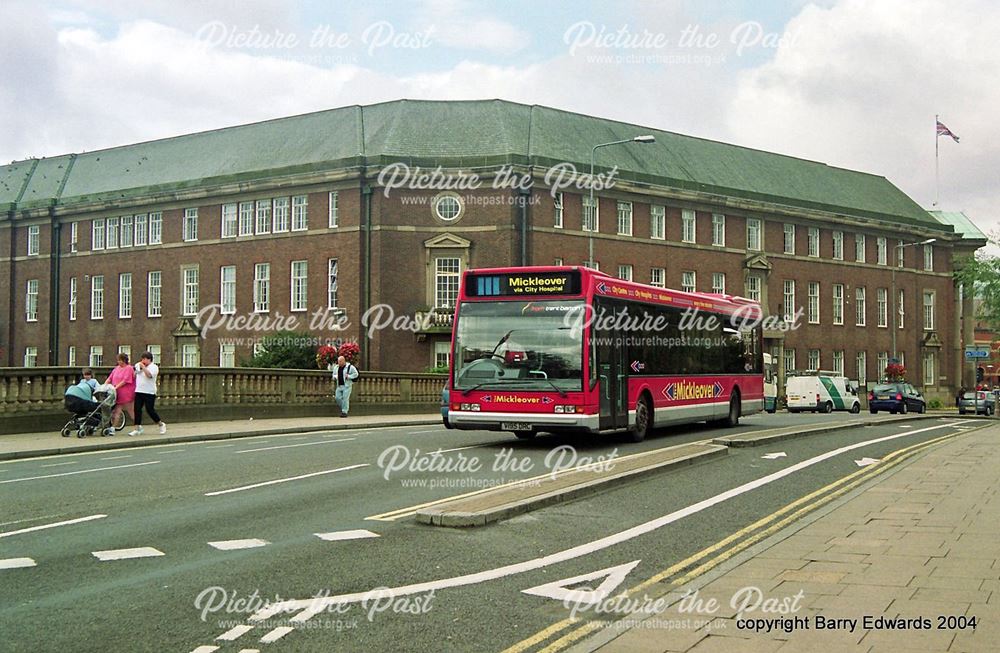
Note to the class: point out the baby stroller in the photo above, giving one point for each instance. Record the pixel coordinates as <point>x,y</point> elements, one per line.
<point>97,420</point>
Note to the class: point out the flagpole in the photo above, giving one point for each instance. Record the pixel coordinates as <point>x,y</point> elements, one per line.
<point>937,176</point>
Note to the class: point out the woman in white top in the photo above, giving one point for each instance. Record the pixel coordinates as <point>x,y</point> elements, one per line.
<point>145,392</point>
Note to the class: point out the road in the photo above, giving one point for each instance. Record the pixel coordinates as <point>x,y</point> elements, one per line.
<point>220,530</point>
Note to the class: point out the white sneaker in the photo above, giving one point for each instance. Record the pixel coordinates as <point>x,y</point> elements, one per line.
<point>136,431</point>
<point>163,428</point>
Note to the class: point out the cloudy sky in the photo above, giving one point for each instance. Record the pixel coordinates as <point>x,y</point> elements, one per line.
<point>853,83</point>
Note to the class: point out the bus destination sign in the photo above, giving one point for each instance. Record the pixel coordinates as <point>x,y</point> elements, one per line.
<point>523,284</point>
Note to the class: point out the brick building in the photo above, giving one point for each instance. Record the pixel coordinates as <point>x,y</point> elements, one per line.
<point>294,217</point>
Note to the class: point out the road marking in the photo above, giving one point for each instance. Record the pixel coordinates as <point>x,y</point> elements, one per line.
<point>232,545</point>
<point>276,634</point>
<point>345,535</point>
<point>116,457</point>
<point>775,455</point>
<point>126,554</point>
<point>865,462</point>
<point>560,590</point>
<point>174,451</point>
<point>234,633</point>
<point>79,471</point>
<point>16,563</point>
<point>307,608</point>
<point>72,462</point>
<point>205,649</point>
<point>428,431</point>
<point>289,446</point>
<point>219,446</point>
<point>250,650</point>
<point>62,523</point>
<point>284,480</point>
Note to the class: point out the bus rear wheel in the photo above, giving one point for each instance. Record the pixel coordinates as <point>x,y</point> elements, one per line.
<point>733,418</point>
<point>643,420</point>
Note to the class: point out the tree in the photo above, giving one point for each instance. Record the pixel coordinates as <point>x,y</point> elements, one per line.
<point>287,350</point>
<point>981,276</point>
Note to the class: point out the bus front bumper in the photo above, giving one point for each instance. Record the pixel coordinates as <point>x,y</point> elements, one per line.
<point>484,421</point>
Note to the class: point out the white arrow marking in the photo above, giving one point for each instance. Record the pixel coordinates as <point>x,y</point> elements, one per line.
<point>864,462</point>
<point>772,456</point>
<point>560,589</point>
<point>61,523</point>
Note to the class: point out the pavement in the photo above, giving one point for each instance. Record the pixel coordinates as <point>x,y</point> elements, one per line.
<point>908,561</point>
<point>47,443</point>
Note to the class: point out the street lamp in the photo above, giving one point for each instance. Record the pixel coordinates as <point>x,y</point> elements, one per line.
<point>648,138</point>
<point>895,310</point>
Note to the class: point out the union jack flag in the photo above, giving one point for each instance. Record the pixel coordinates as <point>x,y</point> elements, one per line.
<point>944,131</point>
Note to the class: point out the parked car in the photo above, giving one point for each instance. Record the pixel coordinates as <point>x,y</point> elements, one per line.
<point>979,402</point>
<point>896,398</point>
<point>444,407</point>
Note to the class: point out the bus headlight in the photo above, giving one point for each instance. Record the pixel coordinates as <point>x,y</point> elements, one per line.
<point>471,407</point>
<point>565,409</point>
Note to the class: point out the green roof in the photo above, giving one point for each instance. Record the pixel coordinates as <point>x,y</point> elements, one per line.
<point>450,134</point>
<point>962,223</point>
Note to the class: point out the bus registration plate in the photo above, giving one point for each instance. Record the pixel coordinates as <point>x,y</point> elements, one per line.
<point>515,426</point>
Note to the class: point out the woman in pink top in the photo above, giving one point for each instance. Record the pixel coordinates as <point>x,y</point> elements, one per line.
<point>123,378</point>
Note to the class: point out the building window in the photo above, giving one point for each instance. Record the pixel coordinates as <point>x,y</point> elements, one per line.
<point>300,285</point>
<point>97,234</point>
<point>789,304</point>
<point>718,230</point>
<point>189,356</point>
<point>280,215</point>
<point>33,240</point>
<point>448,207</point>
<point>190,225</point>
<point>227,289</point>
<point>155,228</point>
<point>838,245</point>
<point>859,248</point>
<point>264,217</point>
<point>838,303</point>
<point>112,237</point>
<point>246,218</point>
<point>657,222</point>
<point>789,239</point>
<point>625,272</point>
<point>96,356</point>
<point>333,210</point>
<point>125,295</point>
<point>902,358</point>
<point>929,258</point>
<point>557,261</point>
<point>71,356</point>
<point>141,229</point>
<point>229,220</point>
<point>813,302</point>
<point>753,235</point>
<point>442,353</point>
<point>838,362</point>
<point>688,281</point>
<point>928,310</point>
<point>862,364</point>
<point>331,283</point>
<point>189,297</point>
<point>688,226</point>
<point>31,356</point>
<point>31,301</point>
<point>125,349</point>
<point>719,283</point>
<point>883,362</point>
<point>591,214</point>
<point>859,306</point>
<point>593,265</point>
<point>813,241</point>
<point>73,292</point>
<point>300,213</point>
<point>882,250</point>
<point>227,355</point>
<point>74,236</point>
<point>97,297</point>
<point>127,233</point>
<point>446,277</point>
<point>789,360</point>
<point>882,307</point>
<point>753,288</point>
<point>813,359</point>
<point>154,297</point>
<point>657,277</point>
<point>899,254</point>
<point>900,310</point>
<point>624,218</point>
<point>262,287</point>
<point>930,376</point>
<point>557,210</point>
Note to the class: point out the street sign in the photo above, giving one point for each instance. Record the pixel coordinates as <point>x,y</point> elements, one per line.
<point>976,352</point>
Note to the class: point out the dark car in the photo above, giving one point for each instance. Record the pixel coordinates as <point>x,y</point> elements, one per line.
<point>896,398</point>
<point>444,407</point>
<point>979,402</point>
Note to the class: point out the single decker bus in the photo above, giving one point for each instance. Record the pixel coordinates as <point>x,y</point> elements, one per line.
<point>557,349</point>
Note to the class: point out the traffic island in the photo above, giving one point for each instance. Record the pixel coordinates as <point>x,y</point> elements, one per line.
<point>530,494</point>
<point>761,438</point>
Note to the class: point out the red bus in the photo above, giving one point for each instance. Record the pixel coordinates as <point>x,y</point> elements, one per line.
<point>572,349</point>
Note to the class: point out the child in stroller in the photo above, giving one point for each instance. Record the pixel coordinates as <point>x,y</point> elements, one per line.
<point>91,415</point>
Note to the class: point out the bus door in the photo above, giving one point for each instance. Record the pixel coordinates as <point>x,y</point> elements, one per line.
<point>612,380</point>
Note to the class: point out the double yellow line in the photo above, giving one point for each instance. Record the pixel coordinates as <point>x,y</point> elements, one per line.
<point>740,540</point>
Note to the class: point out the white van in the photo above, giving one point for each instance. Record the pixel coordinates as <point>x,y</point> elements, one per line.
<point>821,392</point>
